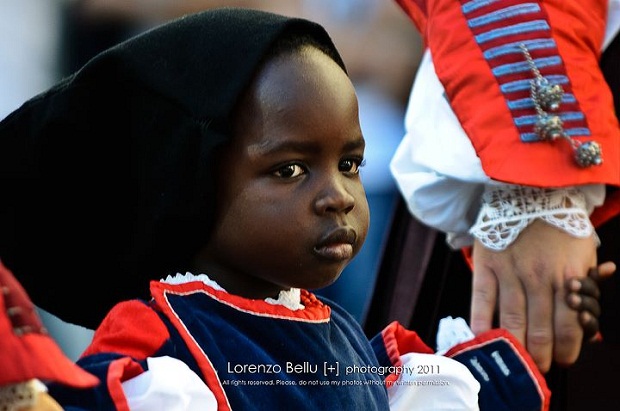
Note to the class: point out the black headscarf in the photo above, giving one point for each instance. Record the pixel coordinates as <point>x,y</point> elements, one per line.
<point>106,178</point>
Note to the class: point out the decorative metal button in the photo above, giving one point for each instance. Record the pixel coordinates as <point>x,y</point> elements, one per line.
<point>547,96</point>
<point>549,127</point>
<point>589,154</point>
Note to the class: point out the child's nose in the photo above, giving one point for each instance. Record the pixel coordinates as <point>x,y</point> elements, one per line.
<point>334,197</point>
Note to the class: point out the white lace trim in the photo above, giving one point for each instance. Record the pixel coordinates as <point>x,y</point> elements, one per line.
<point>507,210</point>
<point>290,298</point>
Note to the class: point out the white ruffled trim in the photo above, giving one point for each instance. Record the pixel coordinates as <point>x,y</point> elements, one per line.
<point>419,391</point>
<point>507,210</point>
<point>452,331</point>
<point>290,298</point>
<point>168,384</point>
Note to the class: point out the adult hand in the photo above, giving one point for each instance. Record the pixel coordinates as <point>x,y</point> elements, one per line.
<point>526,281</point>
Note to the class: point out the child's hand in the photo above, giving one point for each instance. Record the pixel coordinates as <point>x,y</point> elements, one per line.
<point>583,295</point>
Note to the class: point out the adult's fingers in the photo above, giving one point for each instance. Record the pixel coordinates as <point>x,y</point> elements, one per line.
<point>540,320</point>
<point>496,286</point>
<point>513,307</point>
<point>484,299</point>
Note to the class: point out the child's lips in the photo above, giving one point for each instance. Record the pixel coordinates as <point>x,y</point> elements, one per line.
<point>335,252</point>
<point>337,245</point>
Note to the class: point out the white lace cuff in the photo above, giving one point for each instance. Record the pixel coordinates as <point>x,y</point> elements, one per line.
<point>508,210</point>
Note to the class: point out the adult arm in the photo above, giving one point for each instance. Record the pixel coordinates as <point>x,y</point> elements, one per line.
<point>443,185</point>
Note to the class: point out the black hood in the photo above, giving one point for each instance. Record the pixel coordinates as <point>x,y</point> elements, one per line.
<point>106,178</point>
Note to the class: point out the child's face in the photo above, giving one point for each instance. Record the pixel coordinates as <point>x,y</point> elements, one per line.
<point>292,209</point>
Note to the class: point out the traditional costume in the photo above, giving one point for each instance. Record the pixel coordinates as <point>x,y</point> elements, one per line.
<point>252,354</point>
<point>207,349</point>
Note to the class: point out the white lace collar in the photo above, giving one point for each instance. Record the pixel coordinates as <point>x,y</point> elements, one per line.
<point>290,298</point>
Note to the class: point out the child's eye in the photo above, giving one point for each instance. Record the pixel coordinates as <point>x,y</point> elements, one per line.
<point>351,165</point>
<point>289,171</point>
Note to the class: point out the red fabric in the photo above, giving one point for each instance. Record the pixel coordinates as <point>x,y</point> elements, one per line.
<point>130,319</point>
<point>577,28</point>
<point>26,350</point>
<point>121,370</point>
<point>398,341</point>
<point>607,211</point>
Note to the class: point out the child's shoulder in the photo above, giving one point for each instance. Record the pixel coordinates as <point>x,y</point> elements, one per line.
<point>132,321</point>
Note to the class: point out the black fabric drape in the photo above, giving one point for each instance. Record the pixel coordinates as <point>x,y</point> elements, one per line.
<point>106,178</point>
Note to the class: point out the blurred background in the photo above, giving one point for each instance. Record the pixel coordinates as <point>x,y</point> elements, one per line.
<point>42,41</point>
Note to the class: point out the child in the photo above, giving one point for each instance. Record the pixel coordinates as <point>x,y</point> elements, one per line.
<point>227,145</point>
<point>238,175</point>
<point>29,357</point>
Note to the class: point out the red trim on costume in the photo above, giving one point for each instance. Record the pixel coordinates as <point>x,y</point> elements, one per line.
<point>121,370</point>
<point>315,311</point>
<point>159,291</point>
<point>398,341</point>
